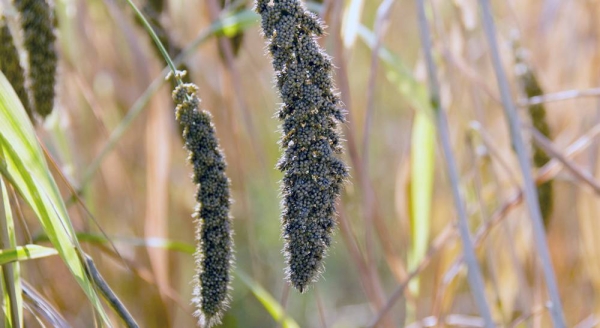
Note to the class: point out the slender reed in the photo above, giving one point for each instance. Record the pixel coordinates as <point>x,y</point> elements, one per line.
<point>474,272</point>
<point>529,189</point>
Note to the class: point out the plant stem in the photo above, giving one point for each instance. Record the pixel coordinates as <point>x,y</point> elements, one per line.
<point>474,273</point>
<point>529,189</point>
<point>11,271</point>
<point>108,294</point>
<point>156,40</point>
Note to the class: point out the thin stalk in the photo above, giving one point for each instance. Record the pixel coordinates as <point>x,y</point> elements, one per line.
<point>529,189</point>
<point>474,273</point>
<point>109,295</point>
<point>156,40</point>
<point>11,271</point>
<point>41,307</point>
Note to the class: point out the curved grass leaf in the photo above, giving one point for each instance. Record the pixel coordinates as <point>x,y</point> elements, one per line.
<point>171,245</point>
<point>23,253</point>
<point>23,164</point>
<point>268,301</point>
<point>421,185</point>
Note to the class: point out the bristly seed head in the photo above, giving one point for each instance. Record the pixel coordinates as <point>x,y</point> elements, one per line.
<point>313,175</point>
<point>10,66</point>
<point>38,29</point>
<point>214,234</point>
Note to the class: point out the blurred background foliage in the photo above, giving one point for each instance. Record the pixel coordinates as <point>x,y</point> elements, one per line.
<point>141,193</point>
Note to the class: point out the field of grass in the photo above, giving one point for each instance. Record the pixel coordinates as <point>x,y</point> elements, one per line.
<point>432,164</point>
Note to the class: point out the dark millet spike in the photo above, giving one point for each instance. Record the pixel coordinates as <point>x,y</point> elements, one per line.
<point>537,113</point>
<point>38,31</point>
<point>311,111</point>
<point>10,66</point>
<point>214,254</point>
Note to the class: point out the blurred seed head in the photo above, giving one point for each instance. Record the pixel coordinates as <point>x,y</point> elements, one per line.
<point>10,66</point>
<point>530,87</point>
<point>39,40</point>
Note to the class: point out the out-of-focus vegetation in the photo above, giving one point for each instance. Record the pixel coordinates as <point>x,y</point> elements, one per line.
<point>396,223</point>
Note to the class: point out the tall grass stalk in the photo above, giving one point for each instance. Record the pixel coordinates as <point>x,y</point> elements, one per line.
<point>474,272</point>
<point>529,189</point>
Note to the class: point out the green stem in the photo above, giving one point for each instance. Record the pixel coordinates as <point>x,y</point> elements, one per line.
<point>156,40</point>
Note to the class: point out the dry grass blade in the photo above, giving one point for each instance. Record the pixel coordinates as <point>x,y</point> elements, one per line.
<point>560,96</point>
<point>440,241</point>
<point>42,307</point>
<point>474,272</point>
<point>577,171</point>
<point>381,24</point>
<point>525,165</point>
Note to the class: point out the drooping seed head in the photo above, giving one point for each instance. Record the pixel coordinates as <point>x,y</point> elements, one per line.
<point>530,87</point>
<point>11,67</point>
<point>38,30</point>
<point>214,233</point>
<point>311,111</point>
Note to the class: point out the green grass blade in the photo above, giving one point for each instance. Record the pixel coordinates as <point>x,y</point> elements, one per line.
<point>422,162</point>
<point>23,253</point>
<point>268,301</point>
<point>6,317</point>
<point>171,245</point>
<point>13,298</point>
<point>23,164</point>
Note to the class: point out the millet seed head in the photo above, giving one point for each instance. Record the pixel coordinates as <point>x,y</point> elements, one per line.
<point>38,29</point>
<point>214,254</point>
<point>311,111</point>
<point>11,67</point>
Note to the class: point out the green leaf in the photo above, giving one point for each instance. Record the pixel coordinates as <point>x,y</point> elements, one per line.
<point>171,245</point>
<point>268,301</point>
<point>234,23</point>
<point>421,185</point>
<point>23,253</point>
<point>23,164</point>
